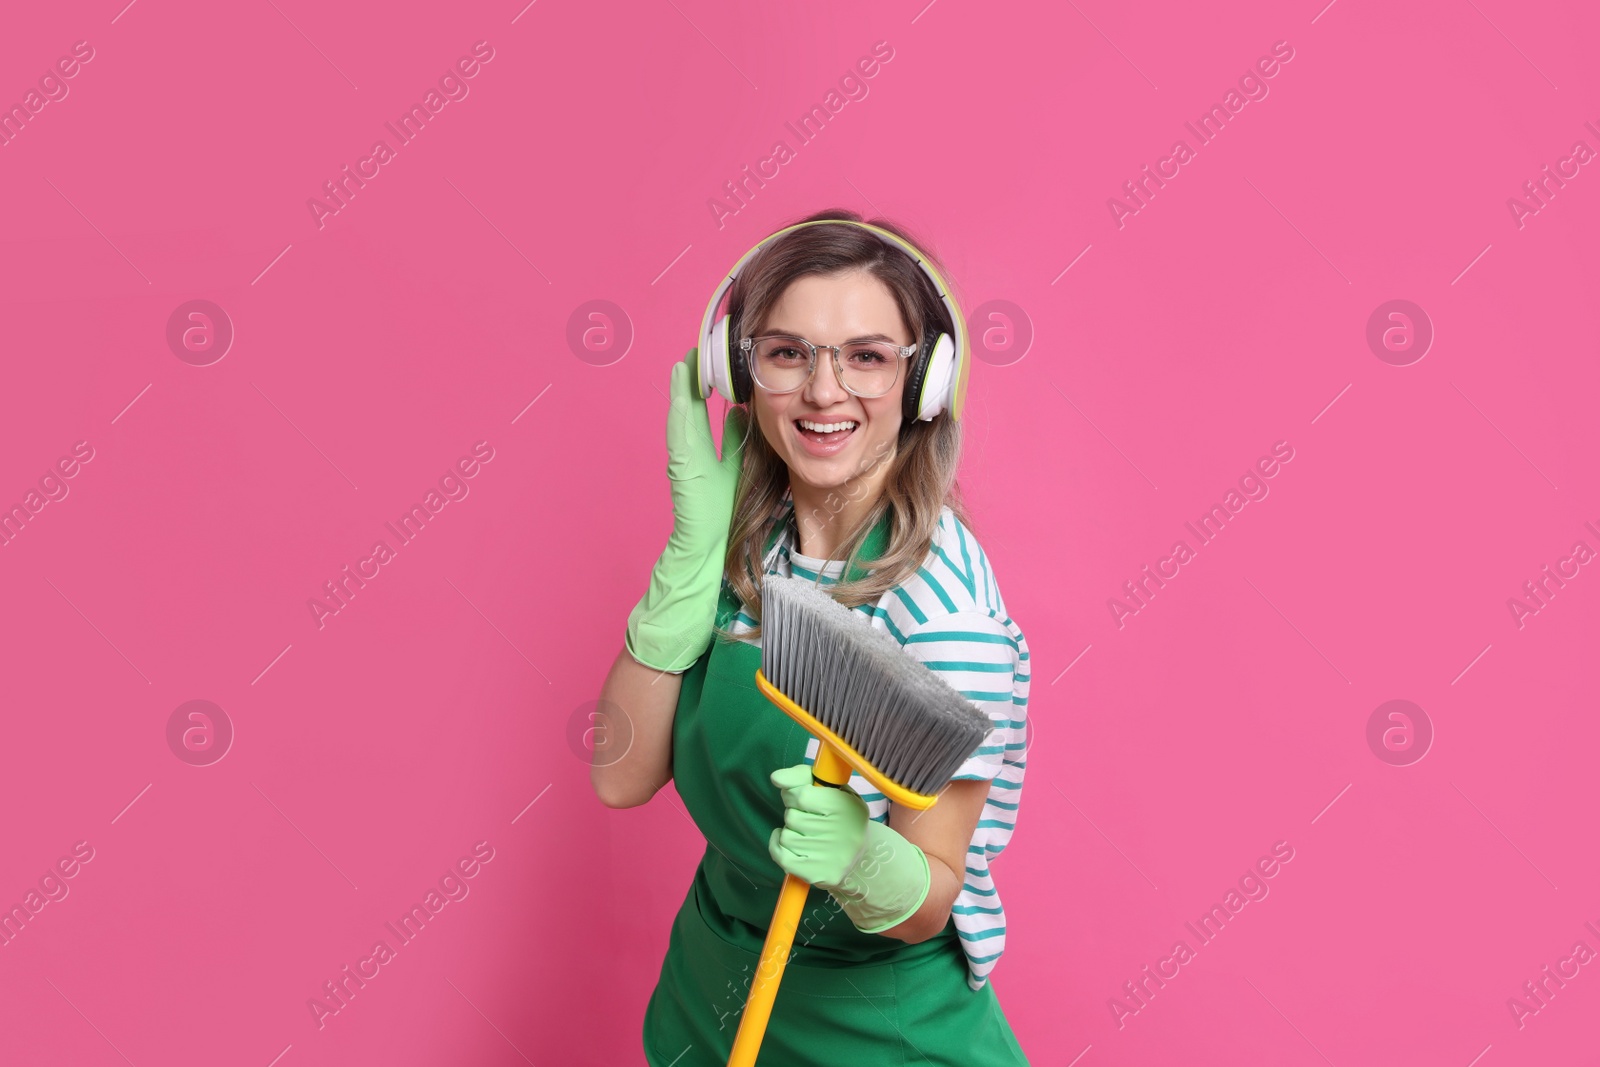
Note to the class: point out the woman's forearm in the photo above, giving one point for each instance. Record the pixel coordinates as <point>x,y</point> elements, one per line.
<point>943,888</point>
<point>943,833</point>
<point>631,732</point>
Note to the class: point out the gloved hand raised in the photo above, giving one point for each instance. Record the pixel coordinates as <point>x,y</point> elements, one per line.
<point>879,878</point>
<point>672,623</point>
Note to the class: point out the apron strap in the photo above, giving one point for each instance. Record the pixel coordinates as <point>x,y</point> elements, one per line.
<point>872,547</point>
<point>728,603</point>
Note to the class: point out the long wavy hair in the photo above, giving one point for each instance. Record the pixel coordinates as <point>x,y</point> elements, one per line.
<point>921,479</point>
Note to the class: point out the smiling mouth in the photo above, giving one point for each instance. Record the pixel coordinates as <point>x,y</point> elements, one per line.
<point>826,433</point>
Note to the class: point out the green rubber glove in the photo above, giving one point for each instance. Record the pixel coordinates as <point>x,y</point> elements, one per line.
<point>879,878</point>
<point>672,623</point>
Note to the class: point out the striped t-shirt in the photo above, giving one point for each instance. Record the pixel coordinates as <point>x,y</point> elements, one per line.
<point>950,617</point>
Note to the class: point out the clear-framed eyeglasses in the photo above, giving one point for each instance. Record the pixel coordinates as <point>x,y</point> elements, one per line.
<point>782,363</point>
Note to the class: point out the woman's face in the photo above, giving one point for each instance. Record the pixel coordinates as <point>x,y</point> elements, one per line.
<point>833,309</point>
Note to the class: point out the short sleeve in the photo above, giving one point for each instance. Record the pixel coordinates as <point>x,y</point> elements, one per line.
<point>978,655</point>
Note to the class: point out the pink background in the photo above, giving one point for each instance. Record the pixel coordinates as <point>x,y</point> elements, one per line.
<point>433,711</point>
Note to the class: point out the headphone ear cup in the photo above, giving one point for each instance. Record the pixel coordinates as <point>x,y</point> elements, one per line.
<point>719,369</point>
<point>938,378</point>
<point>925,383</point>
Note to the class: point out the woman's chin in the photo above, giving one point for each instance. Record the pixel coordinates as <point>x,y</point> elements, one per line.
<point>819,475</point>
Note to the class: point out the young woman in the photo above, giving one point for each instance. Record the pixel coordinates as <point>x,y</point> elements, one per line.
<point>822,468</point>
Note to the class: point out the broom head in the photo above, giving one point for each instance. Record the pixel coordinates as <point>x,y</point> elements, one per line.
<point>900,725</point>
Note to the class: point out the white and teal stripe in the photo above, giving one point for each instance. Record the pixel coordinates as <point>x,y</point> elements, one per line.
<point>949,616</point>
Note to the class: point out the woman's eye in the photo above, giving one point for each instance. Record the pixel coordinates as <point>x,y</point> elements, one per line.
<point>869,357</point>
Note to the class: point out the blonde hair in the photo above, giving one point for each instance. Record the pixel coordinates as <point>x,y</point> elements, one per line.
<point>921,479</point>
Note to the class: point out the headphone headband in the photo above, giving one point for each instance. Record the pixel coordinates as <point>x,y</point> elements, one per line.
<point>936,381</point>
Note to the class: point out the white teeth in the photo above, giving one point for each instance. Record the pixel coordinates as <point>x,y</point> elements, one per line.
<point>825,427</point>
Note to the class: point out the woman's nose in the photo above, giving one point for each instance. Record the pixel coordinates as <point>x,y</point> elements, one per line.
<point>824,386</point>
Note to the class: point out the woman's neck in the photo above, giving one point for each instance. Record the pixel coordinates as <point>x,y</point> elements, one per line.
<point>825,519</point>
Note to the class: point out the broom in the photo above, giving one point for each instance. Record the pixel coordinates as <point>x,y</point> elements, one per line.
<point>873,709</point>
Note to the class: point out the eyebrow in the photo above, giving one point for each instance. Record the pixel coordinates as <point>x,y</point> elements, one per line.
<point>863,337</point>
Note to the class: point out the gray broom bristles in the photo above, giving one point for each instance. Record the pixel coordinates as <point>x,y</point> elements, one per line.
<point>907,721</point>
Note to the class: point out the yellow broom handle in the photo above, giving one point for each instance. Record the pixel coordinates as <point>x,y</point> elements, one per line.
<point>830,767</point>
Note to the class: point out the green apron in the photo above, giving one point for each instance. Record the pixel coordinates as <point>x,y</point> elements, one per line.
<point>847,999</point>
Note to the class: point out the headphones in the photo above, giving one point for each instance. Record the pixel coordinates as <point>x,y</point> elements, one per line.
<point>937,380</point>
